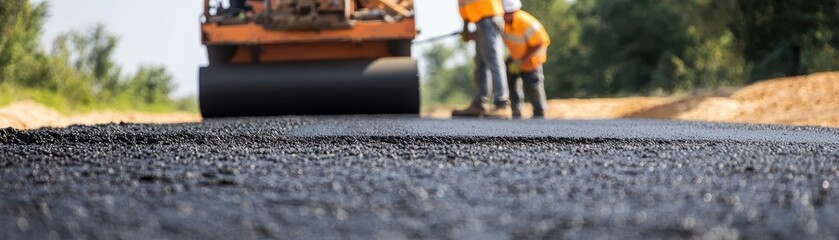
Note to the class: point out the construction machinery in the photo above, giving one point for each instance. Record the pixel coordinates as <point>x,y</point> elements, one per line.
<point>309,57</point>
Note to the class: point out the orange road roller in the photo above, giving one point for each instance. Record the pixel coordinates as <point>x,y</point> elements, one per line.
<point>308,57</point>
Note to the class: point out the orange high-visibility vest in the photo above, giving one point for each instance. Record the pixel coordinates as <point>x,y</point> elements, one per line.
<point>475,10</point>
<point>523,32</point>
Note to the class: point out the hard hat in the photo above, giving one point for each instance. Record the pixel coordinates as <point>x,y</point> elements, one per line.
<point>511,5</point>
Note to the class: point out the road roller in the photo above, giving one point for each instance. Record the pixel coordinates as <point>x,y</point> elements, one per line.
<point>309,57</point>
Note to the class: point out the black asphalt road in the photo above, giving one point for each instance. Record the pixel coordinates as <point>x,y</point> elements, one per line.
<point>404,178</point>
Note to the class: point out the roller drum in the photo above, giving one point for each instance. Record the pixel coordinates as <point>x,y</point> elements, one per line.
<point>382,86</point>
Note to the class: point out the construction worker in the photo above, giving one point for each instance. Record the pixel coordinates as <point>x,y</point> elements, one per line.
<point>490,77</point>
<point>528,42</point>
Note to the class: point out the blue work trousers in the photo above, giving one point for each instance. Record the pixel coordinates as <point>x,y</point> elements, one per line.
<point>490,69</point>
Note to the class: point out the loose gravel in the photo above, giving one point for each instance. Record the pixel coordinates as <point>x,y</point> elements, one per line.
<point>404,178</point>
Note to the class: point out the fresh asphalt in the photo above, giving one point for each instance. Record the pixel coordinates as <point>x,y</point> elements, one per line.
<point>397,177</point>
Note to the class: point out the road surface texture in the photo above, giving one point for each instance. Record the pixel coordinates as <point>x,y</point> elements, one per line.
<point>394,177</point>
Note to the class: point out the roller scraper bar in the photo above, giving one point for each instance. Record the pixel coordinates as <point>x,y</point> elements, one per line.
<point>382,86</point>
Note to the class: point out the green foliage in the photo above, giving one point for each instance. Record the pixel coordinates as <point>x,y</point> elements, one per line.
<point>784,37</point>
<point>626,47</point>
<point>151,85</point>
<point>91,54</point>
<point>80,73</point>
<point>642,47</point>
<point>19,32</point>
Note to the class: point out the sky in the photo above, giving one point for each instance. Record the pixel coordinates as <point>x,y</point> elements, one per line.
<point>166,32</point>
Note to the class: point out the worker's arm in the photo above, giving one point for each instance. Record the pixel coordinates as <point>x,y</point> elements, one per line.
<point>535,43</point>
<point>465,35</point>
<point>531,52</point>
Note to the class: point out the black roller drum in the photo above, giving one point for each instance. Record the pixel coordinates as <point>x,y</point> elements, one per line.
<point>383,86</point>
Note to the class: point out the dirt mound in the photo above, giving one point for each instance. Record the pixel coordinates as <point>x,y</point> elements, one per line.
<point>693,108</point>
<point>811,100</point>
<point>31,115</point>
<point>806,100</point>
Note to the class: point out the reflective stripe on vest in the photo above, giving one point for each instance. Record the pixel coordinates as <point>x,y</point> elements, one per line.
<point>527,34</point>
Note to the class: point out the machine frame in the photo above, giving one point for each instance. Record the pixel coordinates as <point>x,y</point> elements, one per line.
<point>364,39</point>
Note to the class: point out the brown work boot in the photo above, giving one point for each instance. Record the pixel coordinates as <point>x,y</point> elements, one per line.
<point>501,111</point>
<point>476,109</point>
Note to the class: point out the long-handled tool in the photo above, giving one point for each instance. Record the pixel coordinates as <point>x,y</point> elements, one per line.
<point>437,38</point>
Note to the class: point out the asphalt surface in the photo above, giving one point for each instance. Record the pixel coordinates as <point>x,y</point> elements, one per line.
<point>398,177</point>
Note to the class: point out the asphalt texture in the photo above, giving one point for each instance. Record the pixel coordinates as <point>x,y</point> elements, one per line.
<point>395,177</point>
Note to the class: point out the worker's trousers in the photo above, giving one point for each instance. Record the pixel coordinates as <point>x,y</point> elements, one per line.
<point>490,70</point>
<point>534,86</point>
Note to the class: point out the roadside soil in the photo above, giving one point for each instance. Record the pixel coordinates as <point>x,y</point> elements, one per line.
<point>32,115</point>
<point>811,100</point>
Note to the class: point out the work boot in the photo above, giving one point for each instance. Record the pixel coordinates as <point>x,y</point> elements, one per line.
<point>538,115</point>
<point>476,109</point>
<point>501,111</point>
<point>516,110</point>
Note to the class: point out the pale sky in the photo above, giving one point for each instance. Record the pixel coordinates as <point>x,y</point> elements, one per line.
<point>166,32</point>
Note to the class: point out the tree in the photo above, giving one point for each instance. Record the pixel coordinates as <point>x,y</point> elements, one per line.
<point>151,85</point>
<point>19,34</point>
<point>91,54</point>
<point>782,36</point>
<point>620,47</point>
